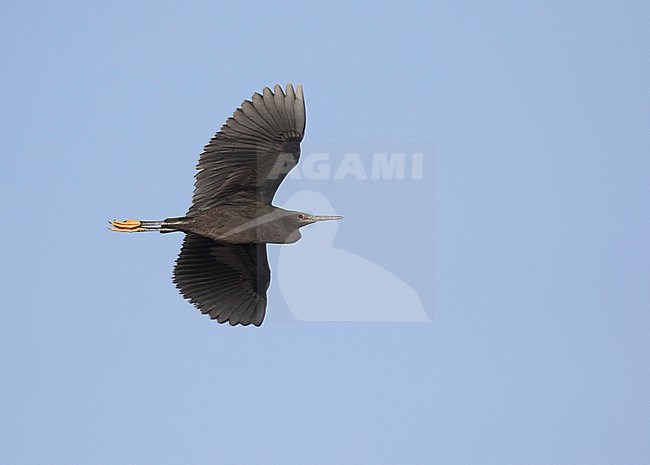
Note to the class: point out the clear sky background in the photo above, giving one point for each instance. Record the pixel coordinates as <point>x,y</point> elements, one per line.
<point>527,237</point>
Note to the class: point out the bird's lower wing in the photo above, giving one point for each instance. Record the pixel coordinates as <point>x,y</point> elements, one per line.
<point>227,282</point>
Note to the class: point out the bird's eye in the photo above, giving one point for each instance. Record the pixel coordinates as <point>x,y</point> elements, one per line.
<point>301,216</point>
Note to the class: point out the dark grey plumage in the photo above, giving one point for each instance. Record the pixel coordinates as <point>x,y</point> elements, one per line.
<point>253,152</point>
<point>228,282</point>
<point>222,267</point>
<point>240,170</point>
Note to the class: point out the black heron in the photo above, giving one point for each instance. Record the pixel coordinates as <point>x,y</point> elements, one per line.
<point>222,267</point>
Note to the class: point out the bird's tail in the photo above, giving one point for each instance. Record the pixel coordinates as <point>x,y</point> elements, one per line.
<point>139,226</point>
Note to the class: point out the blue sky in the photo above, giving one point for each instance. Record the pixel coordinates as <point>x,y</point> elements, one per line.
<point>526,238</point>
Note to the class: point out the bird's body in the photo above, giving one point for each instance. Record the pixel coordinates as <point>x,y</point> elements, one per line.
<point>222,267</point>
<point>257,224</point>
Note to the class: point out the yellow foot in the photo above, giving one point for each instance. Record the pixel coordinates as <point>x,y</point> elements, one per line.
<point>126,226</point>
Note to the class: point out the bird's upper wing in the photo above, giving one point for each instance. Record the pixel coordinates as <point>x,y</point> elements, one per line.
<point>228,282</point>
<point>253,152</point>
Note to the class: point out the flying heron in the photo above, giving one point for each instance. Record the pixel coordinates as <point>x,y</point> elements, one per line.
<point>222,267</point>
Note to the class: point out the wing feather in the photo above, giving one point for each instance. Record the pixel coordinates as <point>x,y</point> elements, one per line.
<point>299,110</point>
<point>269,104</point>
<point>278,101</point>
<point>289,101</point>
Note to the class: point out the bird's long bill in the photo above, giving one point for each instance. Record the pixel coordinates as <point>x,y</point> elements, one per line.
<point>314,218</point>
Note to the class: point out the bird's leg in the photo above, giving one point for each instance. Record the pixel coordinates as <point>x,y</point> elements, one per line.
<point>136,226</point>
<point>126,226</point>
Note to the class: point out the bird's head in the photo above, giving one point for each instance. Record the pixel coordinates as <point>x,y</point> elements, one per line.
<point>294,220</point>
<point>303,219</point>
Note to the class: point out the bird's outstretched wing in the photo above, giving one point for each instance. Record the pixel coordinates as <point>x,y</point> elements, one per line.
<point>228,282</point>
<point>253,152</point>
